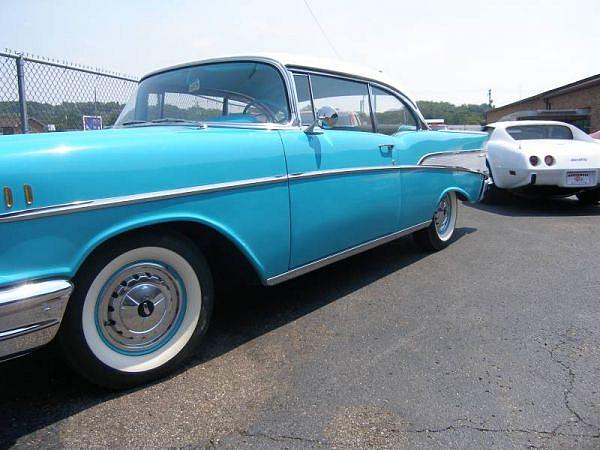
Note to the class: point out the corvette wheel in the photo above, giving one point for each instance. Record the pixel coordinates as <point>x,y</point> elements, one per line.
<point>590,197</point>
<point>439,233</point>
<point>138,310</point>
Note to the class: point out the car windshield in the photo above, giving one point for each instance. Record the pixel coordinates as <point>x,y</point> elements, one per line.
<point>525,132</point>
<point>233,92</point>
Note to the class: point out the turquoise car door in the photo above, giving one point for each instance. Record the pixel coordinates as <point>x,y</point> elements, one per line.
<point>422,184</point>
<point>421,187</point>
<point>343,188</point>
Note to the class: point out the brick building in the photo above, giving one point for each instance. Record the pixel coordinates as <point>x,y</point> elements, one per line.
<point>12,125</point>
<point>577,103</point>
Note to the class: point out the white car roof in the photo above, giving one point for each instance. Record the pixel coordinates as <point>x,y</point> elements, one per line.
<point>305,62</point>
<point>503,134</point>
<point>511,123</point>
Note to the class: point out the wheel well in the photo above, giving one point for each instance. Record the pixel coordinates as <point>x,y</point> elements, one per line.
<point>461,196</point>
<point>227,262</point>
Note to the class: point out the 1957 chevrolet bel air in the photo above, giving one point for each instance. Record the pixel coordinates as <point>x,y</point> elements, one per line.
<point>111,239</point>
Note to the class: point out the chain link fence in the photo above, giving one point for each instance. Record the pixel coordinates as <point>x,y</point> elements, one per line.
<point>40,95</point>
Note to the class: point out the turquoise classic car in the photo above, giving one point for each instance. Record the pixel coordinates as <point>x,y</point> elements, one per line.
<point>275,164</point>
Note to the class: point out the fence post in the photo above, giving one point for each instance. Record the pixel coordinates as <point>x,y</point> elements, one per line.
<point>22,98</point>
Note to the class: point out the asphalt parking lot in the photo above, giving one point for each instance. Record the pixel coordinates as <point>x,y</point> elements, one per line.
<point>493,342</point>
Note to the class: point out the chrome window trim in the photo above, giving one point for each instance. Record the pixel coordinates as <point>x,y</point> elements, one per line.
<point>299,118</point>
<point>287,71</point>
<point>354,80</point>
<point>309,267</point>
<point>372,108</point>
<point>397,93</point>
<point>252,126</point>
<point>89,205</point>
<point>288,81</point>
<point>407,104</point>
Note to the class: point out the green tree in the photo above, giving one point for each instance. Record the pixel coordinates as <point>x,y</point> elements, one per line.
<point>466,114</point>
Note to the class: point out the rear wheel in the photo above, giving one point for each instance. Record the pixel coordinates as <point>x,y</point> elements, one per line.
<point>590,197</point>
<point>139,308</point>
<point>439,233</point>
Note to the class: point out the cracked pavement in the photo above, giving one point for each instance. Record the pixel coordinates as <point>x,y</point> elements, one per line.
<point>492,343</point>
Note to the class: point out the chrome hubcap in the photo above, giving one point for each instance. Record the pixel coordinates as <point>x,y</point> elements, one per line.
<point>139,307</point>
<point>443,215</point>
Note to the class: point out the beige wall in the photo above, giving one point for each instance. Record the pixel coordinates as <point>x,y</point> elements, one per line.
<point>583,98</point>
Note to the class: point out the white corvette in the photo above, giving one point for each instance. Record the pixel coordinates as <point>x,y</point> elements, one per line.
<point>543,158</point>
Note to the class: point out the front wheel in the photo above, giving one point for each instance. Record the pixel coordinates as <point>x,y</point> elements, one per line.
<point>139,308</point>
<point>438,234</point>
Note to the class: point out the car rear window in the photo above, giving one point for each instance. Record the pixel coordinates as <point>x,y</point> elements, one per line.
<point>525,132</point>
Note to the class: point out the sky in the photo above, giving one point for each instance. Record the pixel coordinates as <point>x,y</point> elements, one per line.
<point>440,50</point>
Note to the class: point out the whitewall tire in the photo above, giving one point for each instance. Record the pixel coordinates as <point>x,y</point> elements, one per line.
<point>439,233</point>
<point>140,306</point>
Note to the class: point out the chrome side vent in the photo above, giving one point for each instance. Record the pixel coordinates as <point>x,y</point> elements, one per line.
<point>28,194</point>
<point>8,198</point>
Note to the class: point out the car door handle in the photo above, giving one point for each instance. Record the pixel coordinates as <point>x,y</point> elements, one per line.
<point>389,147</point>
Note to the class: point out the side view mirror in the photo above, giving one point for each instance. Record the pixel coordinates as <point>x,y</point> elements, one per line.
<point>326,114</point>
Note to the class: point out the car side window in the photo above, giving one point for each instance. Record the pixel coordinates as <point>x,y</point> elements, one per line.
<point>305,106</point>
<point>349,98</point>
<point>391,115</point>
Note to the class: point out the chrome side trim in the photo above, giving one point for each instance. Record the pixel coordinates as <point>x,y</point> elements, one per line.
<point>89,205</point>
<point>346,171</point>
<point>354,170</point>
<point>30,315</point>
<point>34,291</point>
<point>344,254</point>
<point>450,168</point>
<point>457,152</point>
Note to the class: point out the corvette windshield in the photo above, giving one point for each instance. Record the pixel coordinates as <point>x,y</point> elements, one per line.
<point>233,92</point>
<point>525,132</point>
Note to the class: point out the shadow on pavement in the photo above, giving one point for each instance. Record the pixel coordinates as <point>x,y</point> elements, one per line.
<point>38,390</point>
<point>515,206</point>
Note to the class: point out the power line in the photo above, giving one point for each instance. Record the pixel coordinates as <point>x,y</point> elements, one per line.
<point>321,28</point>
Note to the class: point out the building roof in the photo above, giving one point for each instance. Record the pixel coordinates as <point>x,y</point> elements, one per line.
<point>575,86</point>
<point>304,62</point>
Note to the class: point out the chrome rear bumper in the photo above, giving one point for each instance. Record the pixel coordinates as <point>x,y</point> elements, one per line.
<point>30,315</point>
